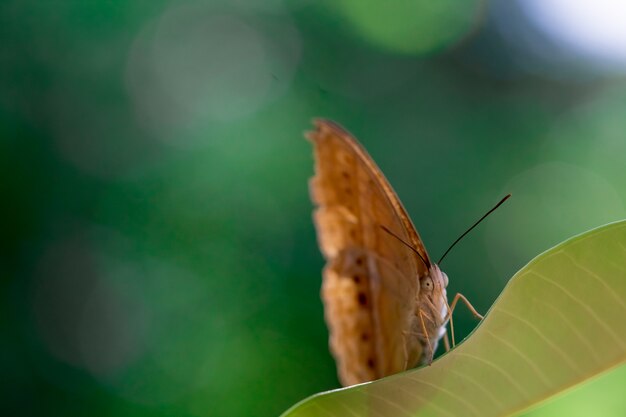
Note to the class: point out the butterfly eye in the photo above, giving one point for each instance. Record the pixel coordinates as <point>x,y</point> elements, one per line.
<point>445,279</point>
<point>427,284</point>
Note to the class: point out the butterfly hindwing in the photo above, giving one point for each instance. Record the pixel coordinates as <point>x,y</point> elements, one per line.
<point>371,280</point>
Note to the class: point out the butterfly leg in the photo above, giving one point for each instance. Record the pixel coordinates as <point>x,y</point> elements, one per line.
<point>451,323</point>
<point>451,308</point>
<point>449,317</point>
<point>432,354</point>
<point>406,352</point>
<point>469,305</point>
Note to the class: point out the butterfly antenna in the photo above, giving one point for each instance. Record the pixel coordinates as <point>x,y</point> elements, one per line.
<point>473,226</point>
<point>406,244</point>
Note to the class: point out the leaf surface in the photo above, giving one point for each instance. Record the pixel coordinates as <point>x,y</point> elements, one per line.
<point>560,321</point>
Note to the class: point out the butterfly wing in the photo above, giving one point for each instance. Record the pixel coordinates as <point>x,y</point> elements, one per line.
<point>371,280</point>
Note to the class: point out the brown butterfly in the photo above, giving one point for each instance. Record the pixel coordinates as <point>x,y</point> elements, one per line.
<point>384,300</point>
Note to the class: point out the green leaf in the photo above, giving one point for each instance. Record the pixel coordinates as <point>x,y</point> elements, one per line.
<point>560,321</point>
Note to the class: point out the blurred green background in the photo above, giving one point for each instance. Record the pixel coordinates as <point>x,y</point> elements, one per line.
<point>157,252</point>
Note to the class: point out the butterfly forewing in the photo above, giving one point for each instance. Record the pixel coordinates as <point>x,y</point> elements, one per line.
<point>371,280</point>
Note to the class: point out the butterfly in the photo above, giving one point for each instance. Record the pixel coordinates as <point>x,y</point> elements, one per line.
<point>385,301</point>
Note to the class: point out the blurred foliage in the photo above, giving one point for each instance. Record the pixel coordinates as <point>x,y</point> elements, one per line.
<point>157,252</point>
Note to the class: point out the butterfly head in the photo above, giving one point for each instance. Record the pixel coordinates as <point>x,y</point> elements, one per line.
<point>432,297</point>
<point>435,282</point>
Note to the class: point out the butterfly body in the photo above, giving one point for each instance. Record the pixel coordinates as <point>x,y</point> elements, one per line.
<point>385,303</point>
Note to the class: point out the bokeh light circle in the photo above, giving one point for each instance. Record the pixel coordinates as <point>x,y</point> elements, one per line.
<point>410,27</point>
<point>212,64</point>
<point>591,135</point>
<point>198,66</point>
<point>595,29</point>
<point>83,318</point>
<point>551,202</point>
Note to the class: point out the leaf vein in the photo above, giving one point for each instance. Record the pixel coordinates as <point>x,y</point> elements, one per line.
<point>423,401</point>
<point>449,393</point>
<point>509,378</point>
<point>391,403</point>
<point>581,337</point>
<point>561,353</point>
<point>521,354</point>
<point>592,313</point>
<point>478,384</point>
<point>599,279</point>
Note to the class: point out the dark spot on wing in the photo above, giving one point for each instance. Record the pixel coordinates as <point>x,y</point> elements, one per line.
<point>362,298</point>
